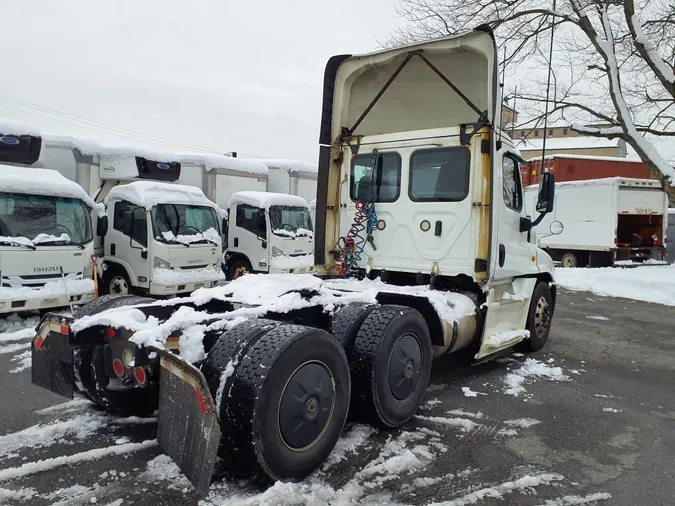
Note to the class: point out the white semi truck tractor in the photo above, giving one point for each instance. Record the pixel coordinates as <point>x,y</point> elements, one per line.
<point>422,247</point>
<point>46,231</point>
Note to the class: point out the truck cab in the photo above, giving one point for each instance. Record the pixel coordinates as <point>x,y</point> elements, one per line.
<point>164,239</point>
<point>46,232</point>
<point>268,232</point>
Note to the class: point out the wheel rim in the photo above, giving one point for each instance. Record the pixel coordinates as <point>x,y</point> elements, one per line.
<point>569,262</point>
<point>240,271</point>
<point>542,317</point>
<point>405,366</point>
<point>306,406</point>
<point>119,286</point>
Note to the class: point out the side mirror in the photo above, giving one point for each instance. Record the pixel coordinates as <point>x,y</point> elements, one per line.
<point>102,226</point>
<point>546,193</point>
<point>556,228</point>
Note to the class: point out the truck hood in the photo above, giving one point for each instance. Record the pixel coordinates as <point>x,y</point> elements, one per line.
<point>293,246</point>
<point>417,98</point>
<point>24,267</point>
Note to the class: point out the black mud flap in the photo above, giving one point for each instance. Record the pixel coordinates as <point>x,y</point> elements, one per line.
<point>52,359</point>
<point>187,430</point>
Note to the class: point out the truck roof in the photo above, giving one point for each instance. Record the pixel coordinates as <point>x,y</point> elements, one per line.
<point>47,182</point>
<point>150,193</point>
<point>214,162</point>
<point>265,200</point>
<point>622,181</point>
<point>89,146</point>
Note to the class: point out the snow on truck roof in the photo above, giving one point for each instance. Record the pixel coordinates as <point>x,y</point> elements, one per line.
<point>265,200</point>
<point>213,162</point>
<point>290,165</point>
<point>624,181</point>
<point>93,147</point>
<point>150,193</point>
<point>47,182</point>
<point>14,127</point>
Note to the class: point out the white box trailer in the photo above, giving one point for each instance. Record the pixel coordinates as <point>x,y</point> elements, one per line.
<point>293,177</point>
<point>605,221</point>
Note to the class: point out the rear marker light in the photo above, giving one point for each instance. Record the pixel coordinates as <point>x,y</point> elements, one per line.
<point>139,374</point>
<point>39,342</point>
<point>111,333</point>
<point>118,367</point>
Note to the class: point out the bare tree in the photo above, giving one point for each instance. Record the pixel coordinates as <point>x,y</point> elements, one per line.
<point>613,66</point>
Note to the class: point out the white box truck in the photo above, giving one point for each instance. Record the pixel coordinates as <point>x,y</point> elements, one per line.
<point>46,232</point>
<point>606,221</point>
<point>293,177</point>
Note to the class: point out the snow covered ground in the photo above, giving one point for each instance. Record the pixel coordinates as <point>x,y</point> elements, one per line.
<point>646,283</point>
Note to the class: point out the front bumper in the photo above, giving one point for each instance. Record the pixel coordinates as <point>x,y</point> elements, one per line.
<point>297,270</point>
<point>37,302</point>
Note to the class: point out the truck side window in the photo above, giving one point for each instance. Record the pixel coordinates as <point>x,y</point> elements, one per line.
<point>381,185</point>
<point>250,218</point>
<point>512,189</point>
<point>123,218</point>
<point>439,175</point>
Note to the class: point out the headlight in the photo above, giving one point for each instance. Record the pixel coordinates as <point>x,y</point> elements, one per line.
<point>276,252</point>
<point>88,272</point>
<point>161,264</point>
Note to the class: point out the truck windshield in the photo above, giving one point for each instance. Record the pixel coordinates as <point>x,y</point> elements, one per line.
<point>170,221</point>
<point>291,221</point>
<point>44,220</point>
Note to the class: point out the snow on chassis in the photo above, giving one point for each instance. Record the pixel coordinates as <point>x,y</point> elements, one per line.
<point>423,247</point>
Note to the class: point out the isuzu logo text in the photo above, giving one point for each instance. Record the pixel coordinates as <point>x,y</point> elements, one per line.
<point>51,268</point>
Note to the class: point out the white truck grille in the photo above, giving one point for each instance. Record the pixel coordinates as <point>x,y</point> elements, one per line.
<point>36,280</point>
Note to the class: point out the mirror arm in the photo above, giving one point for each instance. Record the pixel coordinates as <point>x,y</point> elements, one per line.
<point>538,220</point>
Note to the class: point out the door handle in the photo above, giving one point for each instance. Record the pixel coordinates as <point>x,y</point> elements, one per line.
<point>502,255</point>
<point>112,249</point>
<point>438,229</point>
<point>236,242</point>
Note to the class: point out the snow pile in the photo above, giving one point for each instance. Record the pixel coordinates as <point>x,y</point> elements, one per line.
<point>14,328</point>
<point>150,193</point>
<point>574,500</point>
<point>17,495</point>
<point>470,393</point>
<point>13,348</point>
<point>50,290</point>
<point>40,238</point>
<point>349,443</point>
<point>523,423</point>
<point>596,317</point>
<point>265,200</point>
<point>47,182</point>
<point>187,276</point>
<point>504,338</point>
<point>162,468</point>
<point>530,369</point>
<point>498,491</point>
<point>288,262</point>
<point>648,284</point>
<point>464,424</point>
<point>289,165</point>
<point>191,343</point>
<point>461,412</point>
<point>210,235</point>
<point>611,410</point>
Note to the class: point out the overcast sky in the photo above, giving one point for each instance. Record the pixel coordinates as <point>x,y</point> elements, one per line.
<point>232,76</point>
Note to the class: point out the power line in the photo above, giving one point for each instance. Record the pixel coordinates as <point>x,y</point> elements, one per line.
<point>103,127</point>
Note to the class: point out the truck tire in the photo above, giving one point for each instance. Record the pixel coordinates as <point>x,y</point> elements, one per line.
<point>290,395</point>
<point>90,372</point>
<point>390,365</point>
<point>538,318</point>
<point>347,321</point>
<point>569,260</point>
<point>226,354</point>
<point>238,268</point>
<point>115,281</point>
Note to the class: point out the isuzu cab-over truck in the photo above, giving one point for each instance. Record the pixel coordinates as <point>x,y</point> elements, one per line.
<point>422,247</point>
<point>46,232</point>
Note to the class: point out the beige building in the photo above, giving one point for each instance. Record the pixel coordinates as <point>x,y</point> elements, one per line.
<point>562,140</point>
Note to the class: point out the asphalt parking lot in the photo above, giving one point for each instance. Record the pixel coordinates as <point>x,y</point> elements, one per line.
<point>590,418</point>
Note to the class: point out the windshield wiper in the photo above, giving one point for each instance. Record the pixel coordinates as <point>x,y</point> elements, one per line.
<point>171,241</point>
<point>16,243</point>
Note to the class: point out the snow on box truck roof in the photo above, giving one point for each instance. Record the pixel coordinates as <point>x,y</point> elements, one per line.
<point>48,182</point>
<point>150,193</point>
<point>265,200</point>
<point>290,165</point>
<point>213,161</point>
<point>624,181</point>
<point>89,146</point>
<point>14,127</point>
